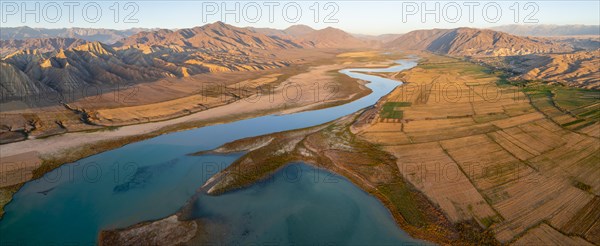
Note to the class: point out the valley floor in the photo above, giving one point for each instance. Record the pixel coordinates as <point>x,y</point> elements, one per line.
<point>299,88</point>
<point>458,156</point>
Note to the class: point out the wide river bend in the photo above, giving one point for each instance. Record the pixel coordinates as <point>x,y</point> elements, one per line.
<point>152,179</point>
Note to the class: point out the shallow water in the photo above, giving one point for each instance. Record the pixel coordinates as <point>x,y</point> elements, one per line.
<point>300,205</point>
<point>152,179</point>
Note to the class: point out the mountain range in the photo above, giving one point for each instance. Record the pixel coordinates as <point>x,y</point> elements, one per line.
<point>290,32</point>
<point>61,64</point>
<point>215,36</point>
<point>38,44</point>
<point>475,42</point>
<point>308,37</point>
<point>549,30</point>
<point>65,64</point>
<point>578,69</point>
<point>220,36</point>
<point>108,36</point>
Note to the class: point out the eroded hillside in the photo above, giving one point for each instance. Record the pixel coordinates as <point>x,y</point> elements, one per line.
<point>475,42</point>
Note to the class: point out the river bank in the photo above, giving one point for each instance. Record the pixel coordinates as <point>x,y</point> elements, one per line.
<point>31,159</point>
<point>332,147</point>
<point>153,171</point>
<point>415,129</point>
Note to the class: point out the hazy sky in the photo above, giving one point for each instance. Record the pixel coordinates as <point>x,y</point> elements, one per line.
<point>366,17</point>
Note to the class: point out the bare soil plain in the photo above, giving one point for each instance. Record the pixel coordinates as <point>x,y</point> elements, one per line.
<point>458,155</point>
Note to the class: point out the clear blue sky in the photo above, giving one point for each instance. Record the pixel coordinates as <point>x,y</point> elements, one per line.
<point>366,17</point>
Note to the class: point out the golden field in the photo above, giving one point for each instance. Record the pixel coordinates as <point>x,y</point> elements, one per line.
<point>489,152</point>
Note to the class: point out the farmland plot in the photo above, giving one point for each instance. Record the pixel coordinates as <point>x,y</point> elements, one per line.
<point>525,165</point>
<point>546,235</point>
<point>431,170</point>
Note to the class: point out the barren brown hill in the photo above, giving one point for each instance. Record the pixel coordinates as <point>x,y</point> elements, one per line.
<point>84,65</point>
<point>271,32</point>
<point>38,44</point>
<point>307,37</point>
<point>585,42</point>
<point>475,42</point>
<point>65,65</point>
<point>298,30</point>
<point>215,36</point>
<point>97,64</point>
<point>16,82</point>
<point>579,69</point>
<point>288,33</point>
<point>332,38</point>
<point>575,69</point>
<point>384,38</point>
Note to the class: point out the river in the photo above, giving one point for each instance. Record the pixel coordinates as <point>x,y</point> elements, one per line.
<point>152,179</point>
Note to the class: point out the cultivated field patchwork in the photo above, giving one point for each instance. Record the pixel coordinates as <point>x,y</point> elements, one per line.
<point>523,163</point>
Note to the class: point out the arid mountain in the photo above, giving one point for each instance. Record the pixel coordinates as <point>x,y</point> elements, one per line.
<point>332,38</point>
<point>298,30</point>
<point>271,32</point>
<point>288,33</point>
<point>579,42</point>
<point>215,36</point>
<point>549,30</point>
<point>38,44</point>
<point>384,38</point>
<point>576,69</point>
<point>65,65</point>
<point>221,36</point>
<point>475,42</point>
<point>97,64</point>
<point>417,40</point>
<point>579,69</point>
<point>308,37</point>
<point>88,64</point>
<point>16,83</point>
<point>107,36</point>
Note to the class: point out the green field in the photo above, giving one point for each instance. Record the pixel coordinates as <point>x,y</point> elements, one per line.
<point>390,110</point>
<point>556,101</point>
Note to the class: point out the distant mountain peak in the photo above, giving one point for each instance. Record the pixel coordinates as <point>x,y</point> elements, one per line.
<point>40,45</point>
<point>217,25</point>
<point>474,42</point>
<point>89,34</point>
<point>95,47</point>
<point>548,30</point>
<point>331,37</point>
<point>330,29</point>
<point>214,36</point>
<point>298,30</point>
<point>300,26</point>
